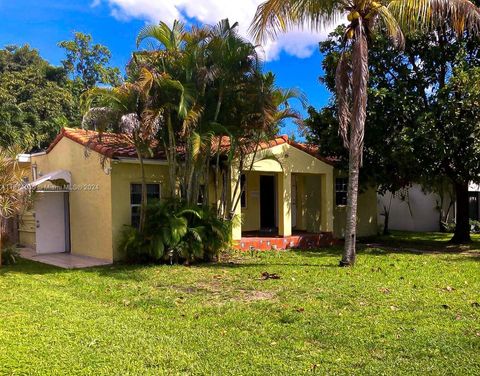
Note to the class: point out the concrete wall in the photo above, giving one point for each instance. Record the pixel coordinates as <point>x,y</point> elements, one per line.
<point>312,202</point>
<point>90,210</point>
<point>367,222</point>
<point>417,211</point>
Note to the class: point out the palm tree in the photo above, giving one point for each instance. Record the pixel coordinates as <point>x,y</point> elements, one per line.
<point>178,95</point>
<point>231,58</point>
<point>130,110</point>
<point>13,194</point>
<point>352,76</point>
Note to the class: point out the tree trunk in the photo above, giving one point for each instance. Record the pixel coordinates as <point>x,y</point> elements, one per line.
<point>217,163</point>
<point>462,229</point>
<point>1,240</point>
<point>172,161</point>
<point>386,214</point>
<point>357,130</point>
<point>386,229</point>
<point>349,254</point>
<point>143,203</point>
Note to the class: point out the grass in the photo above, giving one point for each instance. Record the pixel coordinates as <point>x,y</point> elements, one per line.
<point>432,241</point>
<point>395,313</point>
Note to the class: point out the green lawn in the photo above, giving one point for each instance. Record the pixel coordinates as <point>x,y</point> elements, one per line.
<point>433,241</point>
<point>394,313</point>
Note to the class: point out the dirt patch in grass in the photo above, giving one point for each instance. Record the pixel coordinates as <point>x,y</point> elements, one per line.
<point>220,293</point>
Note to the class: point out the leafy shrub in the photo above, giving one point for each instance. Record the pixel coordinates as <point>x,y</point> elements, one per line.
<point>10,255</point>
<point>475,227</point>
<point>448,227</point>
<point>176,232</point>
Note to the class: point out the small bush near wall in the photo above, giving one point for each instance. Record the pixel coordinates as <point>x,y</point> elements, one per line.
<point>10,255</point>
<point>475,227</point>
<point>176,233</point>
<point>450,227</point>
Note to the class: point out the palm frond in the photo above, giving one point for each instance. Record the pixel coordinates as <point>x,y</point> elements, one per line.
<point>343,85</point>
<point>196,144</point>
<point>169,38</point>
<point>360,77</point>
<point>414,15</point>
<point>274,16</point>
<point>145,81</point>
<point>392,26</point>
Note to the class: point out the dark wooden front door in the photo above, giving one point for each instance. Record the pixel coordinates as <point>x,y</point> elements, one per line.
<point>267,201</point>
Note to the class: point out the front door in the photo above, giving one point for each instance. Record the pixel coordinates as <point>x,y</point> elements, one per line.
<point>267,202</point>
<point>51,219</point>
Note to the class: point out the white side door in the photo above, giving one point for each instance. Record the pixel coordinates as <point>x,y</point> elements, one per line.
<point>50,219</point>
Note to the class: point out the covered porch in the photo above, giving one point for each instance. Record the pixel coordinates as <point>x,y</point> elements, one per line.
<point>286,201</point>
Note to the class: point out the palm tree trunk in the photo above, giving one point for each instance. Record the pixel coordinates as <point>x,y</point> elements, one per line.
<point>357,131</point>
<point>217,163</point>
<point>143,203</point>
<point>172,151</point>
<point>1,239</point>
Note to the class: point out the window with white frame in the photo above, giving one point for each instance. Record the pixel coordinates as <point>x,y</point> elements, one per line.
<point>341,187</point>
<point>153,193</point>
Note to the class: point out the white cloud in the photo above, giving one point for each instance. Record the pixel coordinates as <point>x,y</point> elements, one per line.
<point>300,43</point>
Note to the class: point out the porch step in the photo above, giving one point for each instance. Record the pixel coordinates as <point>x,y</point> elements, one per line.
<point>296,241</point>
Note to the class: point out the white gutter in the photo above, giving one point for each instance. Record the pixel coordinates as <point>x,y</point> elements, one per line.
<point>23,158</point>
<point>159,162</point>
<point>38,154</point>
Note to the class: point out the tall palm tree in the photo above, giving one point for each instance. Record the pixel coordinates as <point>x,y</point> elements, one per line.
<point>364,16</point>
<point>130,110</point>
<point>177,96</point>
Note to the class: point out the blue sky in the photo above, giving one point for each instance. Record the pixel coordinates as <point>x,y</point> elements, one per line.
<point>294,58</point>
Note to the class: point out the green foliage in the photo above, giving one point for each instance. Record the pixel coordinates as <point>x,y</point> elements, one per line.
<point>36,99</point>
<point>175,231</point>
<point>448,227</point>
<point>208,83</point>
<point>474,227</point>
<point>386,316</point>
<point>419,126</point>
<point>10,255</point>
<point>87,63</point>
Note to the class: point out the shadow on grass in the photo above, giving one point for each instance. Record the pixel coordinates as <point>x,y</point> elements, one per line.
<point>397,243</point>
<point>383,250</point>
<point>24,266</point>
<point>419,243</point>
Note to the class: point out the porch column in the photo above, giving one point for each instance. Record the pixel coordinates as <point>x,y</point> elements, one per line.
<point>284,189</point>
<point>327,202</point>
<point>235,192</point>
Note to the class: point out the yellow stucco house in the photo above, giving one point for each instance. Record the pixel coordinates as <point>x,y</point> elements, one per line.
<point>290,192</point>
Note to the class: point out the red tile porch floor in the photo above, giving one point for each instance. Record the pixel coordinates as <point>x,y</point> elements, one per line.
<point>299,240</point>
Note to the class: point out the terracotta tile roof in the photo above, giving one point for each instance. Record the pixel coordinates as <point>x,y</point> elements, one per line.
<point>114,145</point>
<point>225,144</point>
<point>110,145</point>
<point>314,151</point>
